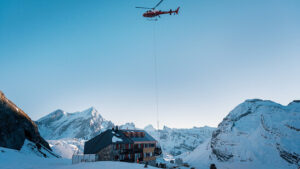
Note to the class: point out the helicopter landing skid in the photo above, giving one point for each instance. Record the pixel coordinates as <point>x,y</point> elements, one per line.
<point>153,19</point>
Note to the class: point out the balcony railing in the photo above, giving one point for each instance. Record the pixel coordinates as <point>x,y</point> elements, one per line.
<point>138,150</point>
<point>126,151</point>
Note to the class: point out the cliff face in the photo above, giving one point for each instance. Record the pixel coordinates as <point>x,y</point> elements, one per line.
<point>16,126</point>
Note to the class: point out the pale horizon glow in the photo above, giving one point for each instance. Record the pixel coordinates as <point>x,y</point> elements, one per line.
<point>72,55</point>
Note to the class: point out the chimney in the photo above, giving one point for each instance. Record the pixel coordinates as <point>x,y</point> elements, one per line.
<point>117,128</point>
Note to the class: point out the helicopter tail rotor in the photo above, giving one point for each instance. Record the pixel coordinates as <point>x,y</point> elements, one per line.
<point>177,10</point>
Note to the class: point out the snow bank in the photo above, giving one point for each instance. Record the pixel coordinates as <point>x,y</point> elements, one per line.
<point>67,147</point>
<point>13,159</point>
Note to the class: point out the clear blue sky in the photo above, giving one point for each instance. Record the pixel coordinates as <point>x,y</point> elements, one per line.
<point>72,55</point>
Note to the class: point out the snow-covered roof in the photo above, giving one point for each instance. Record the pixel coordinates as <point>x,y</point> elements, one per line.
<point>116,139</point>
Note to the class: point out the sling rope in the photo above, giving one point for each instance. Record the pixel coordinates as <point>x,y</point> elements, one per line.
<point>156,78</point>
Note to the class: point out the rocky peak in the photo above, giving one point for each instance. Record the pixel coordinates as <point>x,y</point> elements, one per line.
<point>130,126</point>
<point>56,115</point>
<point>92,112</point>
<point>149,128</point>
<point>295,102</point>
<point>167,128</point>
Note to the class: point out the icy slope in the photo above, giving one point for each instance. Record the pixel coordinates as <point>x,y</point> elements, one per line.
<point>10,158</point>
<point>256,134</point>
<point>83,125</point>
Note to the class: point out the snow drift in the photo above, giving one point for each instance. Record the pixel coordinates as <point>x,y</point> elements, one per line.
<point>27,159</point>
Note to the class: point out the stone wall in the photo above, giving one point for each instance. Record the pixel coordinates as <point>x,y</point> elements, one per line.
<point>106,154</point>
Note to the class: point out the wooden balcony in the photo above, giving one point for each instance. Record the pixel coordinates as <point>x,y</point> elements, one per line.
<point>149,150</point>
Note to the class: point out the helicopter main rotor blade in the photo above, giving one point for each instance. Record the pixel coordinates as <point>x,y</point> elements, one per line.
<point>144,8</point>
<point>158,4</point>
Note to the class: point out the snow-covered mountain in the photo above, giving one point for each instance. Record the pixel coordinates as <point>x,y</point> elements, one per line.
<point>177,141</point>
<point>80,125</point>
<point>67,132</point>
<point>130,126</point>
<point>256,134</point>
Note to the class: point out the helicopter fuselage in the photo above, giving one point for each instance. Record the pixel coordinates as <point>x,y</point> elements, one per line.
<point>154,13</point>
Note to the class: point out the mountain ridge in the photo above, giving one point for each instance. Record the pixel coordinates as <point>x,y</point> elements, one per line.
<point>58,127</point>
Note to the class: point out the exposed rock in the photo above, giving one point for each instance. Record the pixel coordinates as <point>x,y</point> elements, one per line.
<point>16,126</point>
<point>290,157</point>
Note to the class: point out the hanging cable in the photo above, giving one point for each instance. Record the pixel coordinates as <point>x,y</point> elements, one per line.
<point>156,78</point>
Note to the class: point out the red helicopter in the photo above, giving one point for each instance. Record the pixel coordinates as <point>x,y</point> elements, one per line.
<point>154,13</point>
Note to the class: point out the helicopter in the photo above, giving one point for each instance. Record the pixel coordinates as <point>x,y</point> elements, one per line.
<point>156,13</point>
